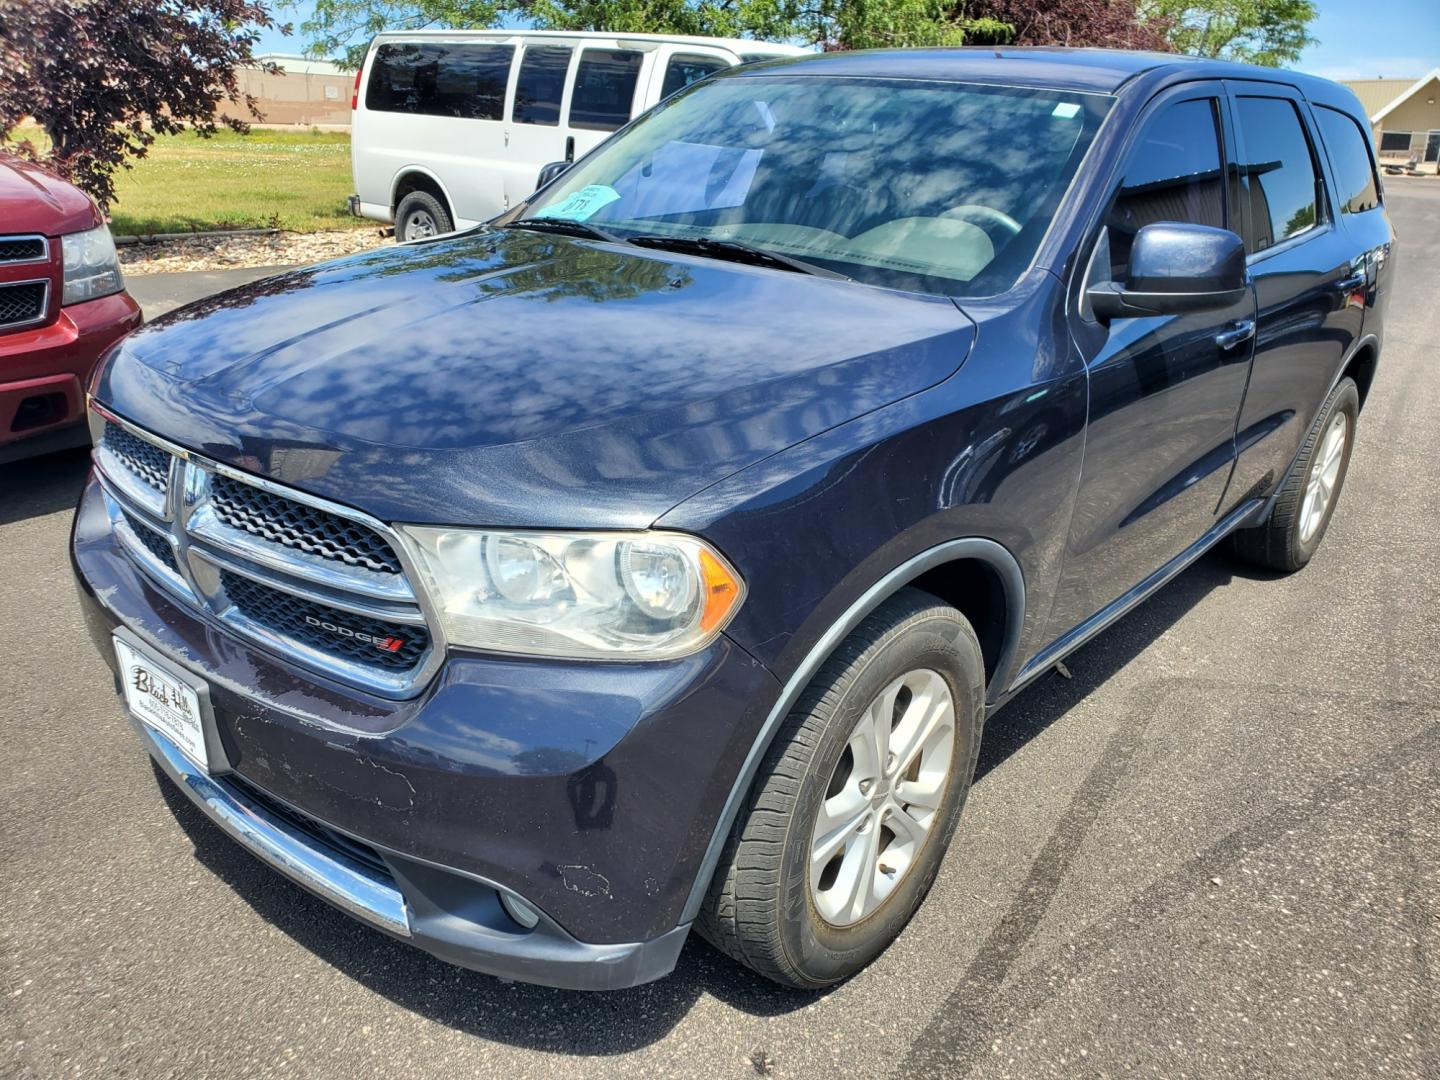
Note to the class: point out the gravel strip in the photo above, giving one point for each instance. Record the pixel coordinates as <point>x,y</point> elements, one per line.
<point>227,252</point>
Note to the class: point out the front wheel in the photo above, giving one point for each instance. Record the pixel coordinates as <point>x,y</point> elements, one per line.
<point>856,800</point>
<point>1288,539</point>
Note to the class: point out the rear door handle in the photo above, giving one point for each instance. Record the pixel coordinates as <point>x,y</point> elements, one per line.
<point>1350,284</point>
<point>1238,334</point>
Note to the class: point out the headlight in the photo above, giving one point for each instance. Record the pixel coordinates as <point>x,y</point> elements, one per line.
<point>92,266</point>
<point>616,596</point>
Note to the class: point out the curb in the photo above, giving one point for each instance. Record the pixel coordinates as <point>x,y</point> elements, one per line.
<point>154,238</point>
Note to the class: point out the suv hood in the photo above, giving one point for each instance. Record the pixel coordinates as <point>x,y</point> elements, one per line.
<point>35,201</point>
<point>506,377</point>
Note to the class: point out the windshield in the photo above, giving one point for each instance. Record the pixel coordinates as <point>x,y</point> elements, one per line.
<point>935,187</point>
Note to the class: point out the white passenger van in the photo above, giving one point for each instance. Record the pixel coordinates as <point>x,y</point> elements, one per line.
<point>450,128</point>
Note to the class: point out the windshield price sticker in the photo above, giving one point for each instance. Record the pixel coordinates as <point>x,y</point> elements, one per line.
<point>580,205</point>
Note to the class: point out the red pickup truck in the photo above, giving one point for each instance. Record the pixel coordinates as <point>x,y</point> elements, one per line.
<point>62,304</point>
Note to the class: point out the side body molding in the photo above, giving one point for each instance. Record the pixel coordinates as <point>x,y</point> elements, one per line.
<point>988,551</point>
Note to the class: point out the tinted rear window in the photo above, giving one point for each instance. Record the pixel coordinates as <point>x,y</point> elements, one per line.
<point>541,84</point>
<point>1278,172</point>
<point>460,80</point>
<point>682,70</point>
<point>604,89</point>
<point>1349,150</point>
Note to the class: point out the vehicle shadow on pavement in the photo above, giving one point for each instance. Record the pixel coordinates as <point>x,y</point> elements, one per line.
<point>1053,695</point>
<point>560,1021</point>
<point>531,1017</point>
<point>42,485</point>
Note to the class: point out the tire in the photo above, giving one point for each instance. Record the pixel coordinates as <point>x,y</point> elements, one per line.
<point>1288,539</point>
<point>764,908</point>
<point>421,215</point>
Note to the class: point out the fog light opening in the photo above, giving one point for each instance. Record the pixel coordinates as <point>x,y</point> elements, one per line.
<point>520,911</point>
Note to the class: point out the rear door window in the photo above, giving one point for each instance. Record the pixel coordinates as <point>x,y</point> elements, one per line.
<point>436,79</point>
<point>604,89</point>
<point>682,70</point>
<point>541,84</point>
<point>1349,151</point>
<point>1277,172</point>
<point>1175,173</point>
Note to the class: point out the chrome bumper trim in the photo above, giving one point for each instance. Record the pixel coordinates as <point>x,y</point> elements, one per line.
<point>330,874</point>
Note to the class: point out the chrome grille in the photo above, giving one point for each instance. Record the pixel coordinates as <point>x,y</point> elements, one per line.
<point>22,303</point>
<point>320,584</point>
<point>146,460</point>
<point>23,249</point>
<point>296,525</point>
<point>154,542</point>
<point>353,637</point>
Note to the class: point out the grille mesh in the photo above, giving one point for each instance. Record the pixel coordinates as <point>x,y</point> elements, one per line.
<point>21,249</point>
<point>145,460</point>
<point>304,528</point>
<point>22,303</point>
<point>156,544</point>
<point>287,615</point>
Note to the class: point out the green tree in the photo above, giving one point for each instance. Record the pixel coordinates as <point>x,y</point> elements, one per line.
<point>104,79</point>
<point>1269,32</point>
<point>343,28</point>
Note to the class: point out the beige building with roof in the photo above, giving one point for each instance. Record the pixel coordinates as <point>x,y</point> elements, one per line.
<point>304,92</point>
<point>1404,117</point>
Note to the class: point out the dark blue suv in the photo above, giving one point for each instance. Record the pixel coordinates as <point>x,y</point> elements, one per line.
<point>651,557</point>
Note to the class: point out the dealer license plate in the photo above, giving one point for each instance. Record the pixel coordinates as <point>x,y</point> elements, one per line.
<point>163,700</point>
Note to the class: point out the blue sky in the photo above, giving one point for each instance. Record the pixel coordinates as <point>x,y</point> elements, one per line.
<point>1391,38</point>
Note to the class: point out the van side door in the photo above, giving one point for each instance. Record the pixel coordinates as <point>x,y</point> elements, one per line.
<point>1164,389</point>
<point>607,91</point>
<point>534,135</point>
<point>1310,282</point>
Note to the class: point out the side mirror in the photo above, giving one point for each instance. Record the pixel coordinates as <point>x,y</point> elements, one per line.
<point>550,172</point>
<point>1175,268</point>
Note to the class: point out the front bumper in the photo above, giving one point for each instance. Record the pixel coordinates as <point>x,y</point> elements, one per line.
<point>43,372</point>
<point>482,936</point>
<point>587,790</point>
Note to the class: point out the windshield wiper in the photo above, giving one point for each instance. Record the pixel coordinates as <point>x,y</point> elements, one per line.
<point>567,226</point>
<point>734,251</point>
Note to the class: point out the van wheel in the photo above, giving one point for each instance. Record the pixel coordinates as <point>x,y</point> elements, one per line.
<point>419,215</point>
<point>849,818</point>
<point>1297,522</point>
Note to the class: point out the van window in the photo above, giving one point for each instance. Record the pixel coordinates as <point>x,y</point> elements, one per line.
<point>683,70</point>
<point>604,89</point>
<point>1174,174</point>
<point>1278,171</point>
<point>1349,149</point>
<point>464,80</point>
<point>541,84</point>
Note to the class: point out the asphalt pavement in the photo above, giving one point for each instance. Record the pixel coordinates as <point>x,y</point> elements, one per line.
<point>1213,851</point>
<point>158,293</point>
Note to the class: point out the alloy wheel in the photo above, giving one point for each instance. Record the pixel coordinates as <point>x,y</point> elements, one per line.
<point>883,798</point>
<point>1324,472</point>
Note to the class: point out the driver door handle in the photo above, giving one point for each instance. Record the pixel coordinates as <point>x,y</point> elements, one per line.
<point>1238,334</point>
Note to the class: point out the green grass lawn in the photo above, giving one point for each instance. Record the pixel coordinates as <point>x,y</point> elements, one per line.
<point>283,179</point>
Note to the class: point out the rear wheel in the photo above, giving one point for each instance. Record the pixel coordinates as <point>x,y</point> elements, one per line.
<point>1302,512</point>
<point>421,215</point>
<point>856,800</point>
